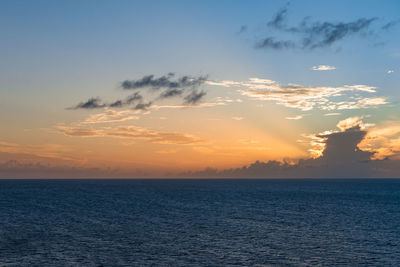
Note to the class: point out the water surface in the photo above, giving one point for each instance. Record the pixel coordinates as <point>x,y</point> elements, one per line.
<point>200,222</point>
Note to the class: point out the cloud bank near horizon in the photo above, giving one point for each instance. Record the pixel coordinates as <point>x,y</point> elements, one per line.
<point>344,154</point>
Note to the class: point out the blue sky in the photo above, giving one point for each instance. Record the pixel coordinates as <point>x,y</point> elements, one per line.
<point>55,54</point>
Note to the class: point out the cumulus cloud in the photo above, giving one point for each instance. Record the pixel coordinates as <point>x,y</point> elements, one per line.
<point>318,141</point>
<point>311,35</point>
<point>306,97</point>
<point>342,156</point>
<point>323,67</point>
<point>384,140</point>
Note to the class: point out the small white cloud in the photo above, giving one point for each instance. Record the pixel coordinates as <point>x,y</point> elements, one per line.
<point>323,67</point>
<point>390,71</point>
<point>332,114</point>
<point>298,117</point>
<point>237,118</point>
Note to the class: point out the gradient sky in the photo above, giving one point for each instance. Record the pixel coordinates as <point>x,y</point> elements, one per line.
<point>277,76</point>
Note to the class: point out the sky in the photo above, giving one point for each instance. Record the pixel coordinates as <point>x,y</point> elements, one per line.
<point>136,89</point>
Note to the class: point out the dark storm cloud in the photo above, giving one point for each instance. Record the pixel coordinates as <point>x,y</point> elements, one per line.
<point>312,35</point>
<point>194,97</point>
<point>341,159</point>
<point>166,81</point>
<point>91,103</point>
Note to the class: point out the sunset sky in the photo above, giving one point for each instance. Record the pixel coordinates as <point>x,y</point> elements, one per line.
<point>161,88</point>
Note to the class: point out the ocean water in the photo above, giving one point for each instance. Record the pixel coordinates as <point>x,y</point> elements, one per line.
<point>200,222</point>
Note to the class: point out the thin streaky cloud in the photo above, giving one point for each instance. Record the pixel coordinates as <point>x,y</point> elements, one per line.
<point>307,97</point>
<point>323,67</point>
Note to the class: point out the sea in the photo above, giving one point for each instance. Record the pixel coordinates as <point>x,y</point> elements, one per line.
<point>200,222</point>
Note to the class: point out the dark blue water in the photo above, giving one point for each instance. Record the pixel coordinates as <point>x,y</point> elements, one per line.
<point>200,222</point>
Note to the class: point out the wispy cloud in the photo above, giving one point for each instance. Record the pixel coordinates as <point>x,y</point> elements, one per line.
<point>194,97</point>
<point>309,35</point>
<point>91,103</point>
<point>307,97</point>
<point>167,81</point>
<point>131,132</point>
<point>323,67</point>
<point>185,87</point>
<point>110,116</point>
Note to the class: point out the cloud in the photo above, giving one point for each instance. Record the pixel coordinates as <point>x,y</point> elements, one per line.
<point>323,67</point>
<point>136,97</point>
<point>298,117</point>
<point>384,140</point>
<point>390,25</point>
<point>357,104</point>
<point>131,132</point>
<point>47,151</point>
<point>332,114</point>
<point>79,132</point>
<point>270,42</point>
<point>96,103</point>
<point>390,71</point>
<point>171,93</point>
<point>173,88</point>
<point>318,141</point>
<point>242,29</point>
<point>110,116</point>
<point>36,168</point>
<point>307,97</point>
<point>237,118</point>
<point>91,103</point>
<point>143,106</point>
<point>342,157</point>
<point>312,35</point>
<point>279,18</point>
<point>194,97</point>
<point>163,82</point>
